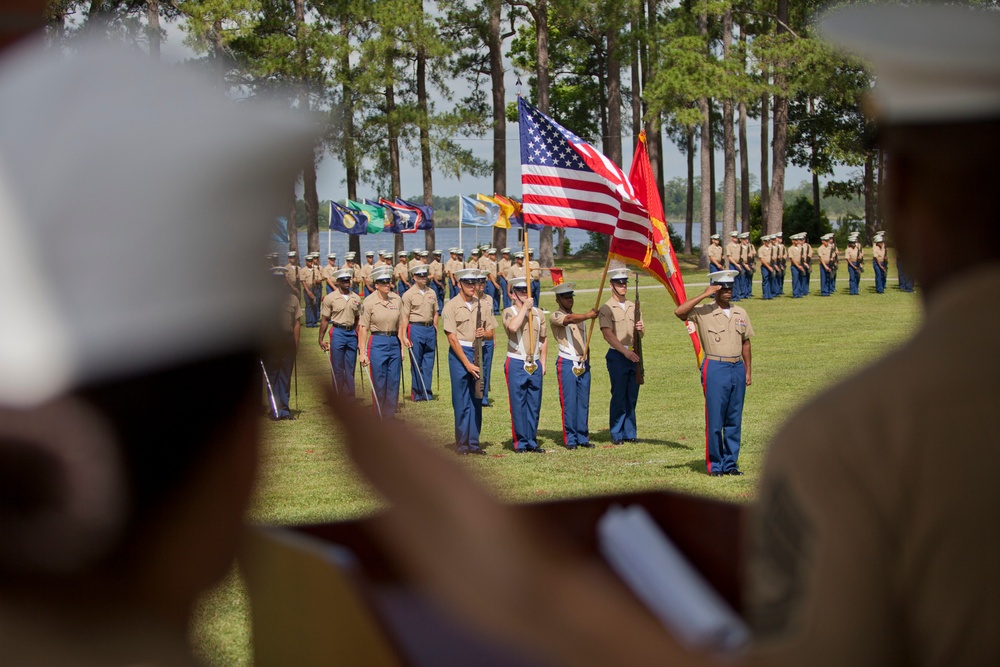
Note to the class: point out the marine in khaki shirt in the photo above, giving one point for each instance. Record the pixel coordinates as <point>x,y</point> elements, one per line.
<point>517,340</point>
<point>381,315</point>
<point>715,255</point>
<point>618,318</point>
<point>401,272</point>
<point>734,253</point>
<point>419,305</point>
<point>339,309</point>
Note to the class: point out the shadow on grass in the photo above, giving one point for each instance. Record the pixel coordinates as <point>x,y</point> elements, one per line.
<point>698,465</point>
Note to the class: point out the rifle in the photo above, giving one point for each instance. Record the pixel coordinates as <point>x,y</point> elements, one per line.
<point>477,351</point>
<point>640,377</point>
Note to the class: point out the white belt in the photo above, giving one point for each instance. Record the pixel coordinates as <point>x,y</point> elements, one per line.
<point>467,343</point>
<point>567,353</point>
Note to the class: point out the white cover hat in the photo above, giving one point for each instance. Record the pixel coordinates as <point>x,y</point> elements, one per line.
<point>208,181</point>
<point>564,288</point>
<point>722,277</point>
<point>618,274</point>
<point>934,63</point>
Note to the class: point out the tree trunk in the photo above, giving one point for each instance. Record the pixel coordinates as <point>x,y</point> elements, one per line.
<point>425,134</point>
<point>614,145</point>
<point>776,213</point>
<point>711,166</point>
<point>546,254</point>
<point>869,185</point>
<point>499,117</point>
<point>218,51</point>
<point>635,71</point>
<point>728,140</point>
<point>812,167</point>
<point>347,123</point>
<point>765,180</point>
<point>878,191</point>
<point>706,183</point>
<point>654,126</point>
<point>744,158</point>
<point>689,204</point>
<point>393,134</point>
<point>706,163</point>
<point>311,197</point>
<point>153,27</point>
<point>602,101</point>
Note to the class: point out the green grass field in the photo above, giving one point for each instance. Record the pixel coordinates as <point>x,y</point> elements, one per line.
<point>800,347</point>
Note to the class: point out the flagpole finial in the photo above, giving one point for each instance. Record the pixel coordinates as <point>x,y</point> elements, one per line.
<point>517,82</point>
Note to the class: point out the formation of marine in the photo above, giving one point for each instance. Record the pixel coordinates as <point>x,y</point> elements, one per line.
<point>387,315</point>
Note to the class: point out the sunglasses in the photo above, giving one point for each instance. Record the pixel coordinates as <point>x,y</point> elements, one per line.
<point>620,281</point>
<point>383,281</point>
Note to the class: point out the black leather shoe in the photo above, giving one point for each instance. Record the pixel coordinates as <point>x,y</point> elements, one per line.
<point>617,442</point>
<point>717,473</point>
<point>536,450</point>
<point>571,447</point>
<point>480,452</point>
<point>735,472</point>
<point>588,445</point>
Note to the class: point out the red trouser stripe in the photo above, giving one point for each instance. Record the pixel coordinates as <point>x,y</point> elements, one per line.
<point>704,389</point>
<point>562,401</point>
<point>510,401</point>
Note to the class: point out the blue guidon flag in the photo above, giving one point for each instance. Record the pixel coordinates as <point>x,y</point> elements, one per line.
<point>566,182</point>
<point>343,219</point>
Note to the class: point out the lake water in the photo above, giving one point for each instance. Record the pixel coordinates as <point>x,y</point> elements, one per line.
<point>444,238</point>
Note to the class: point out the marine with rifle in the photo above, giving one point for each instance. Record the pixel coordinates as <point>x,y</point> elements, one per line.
<point>527,344</point>
<point>418,332</point>
<point>488,306</point>
<point>378,339</point>
<point>725,331</point>
<point>466,327</point>
<point>339,313</point>
<point>621,328</point>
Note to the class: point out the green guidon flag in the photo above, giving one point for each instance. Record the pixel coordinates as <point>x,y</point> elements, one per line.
<point>374,215</point>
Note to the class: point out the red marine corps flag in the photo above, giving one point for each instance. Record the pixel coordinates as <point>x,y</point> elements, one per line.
<point>641,177</point>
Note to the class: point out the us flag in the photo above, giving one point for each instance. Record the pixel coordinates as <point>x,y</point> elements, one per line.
<point>566,182</point>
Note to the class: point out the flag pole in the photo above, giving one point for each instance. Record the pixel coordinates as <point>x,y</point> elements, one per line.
<point>529,349</point>
<point>600,292</point>
<point>460,212</point>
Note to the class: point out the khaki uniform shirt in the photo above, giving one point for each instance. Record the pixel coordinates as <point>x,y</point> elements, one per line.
<point>306,277</point>
<point>436,271</point>
<point>366,272</point>
<point>878,254</point>
<point>292,274</point>
<point>765,254</point>
<point>620,320</point>
<point>292,313</point>
<point>721,335</point>
<point>489,266</point>
<point>751,253</point>
<point>715,253</point>
<point>377,263</point>
<point>418,306</point>
<point>571,338</point>
<point>733,253</point>
<point>853,255</point>
<point>824,254</point>
<point>536,270</point>
<point>413,262</point>
<point>380,315</point>
<point>515,271</point>
<point>401,272</point>
<point>834,254</point>
<point>875,542</point>
<point>328,272</point>
<point>795,254</point>
<point>487,304</point>
<point>807,253</point>
<point>502,266</point>
<point>458,318</point>
<point>451,266</point>
<point>340,308</point>
<point>517,343</point>
<point>472,264</point>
